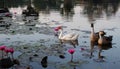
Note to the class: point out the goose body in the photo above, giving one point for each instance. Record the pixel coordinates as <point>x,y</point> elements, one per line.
<point>71,36</point>
<point>94,37</point>
<point>104,40</point>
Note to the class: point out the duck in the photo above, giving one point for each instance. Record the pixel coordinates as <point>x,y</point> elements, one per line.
<point>104,40</point>
<point>94,36</point>
<point>70,36</point>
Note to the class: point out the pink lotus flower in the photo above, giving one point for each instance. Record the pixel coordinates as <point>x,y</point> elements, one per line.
<point>56,29</point>
<point>71,51</point>
<point>2,48</point>
<point>7,50</point>
<point>11,50</point>
<point>59,27</point>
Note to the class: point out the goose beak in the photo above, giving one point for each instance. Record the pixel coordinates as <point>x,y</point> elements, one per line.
<point>104,33</point>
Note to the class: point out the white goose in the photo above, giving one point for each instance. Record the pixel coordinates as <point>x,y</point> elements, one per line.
<point>71,36</point>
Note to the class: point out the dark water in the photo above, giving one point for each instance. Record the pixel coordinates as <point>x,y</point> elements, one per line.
<point>76,17</point>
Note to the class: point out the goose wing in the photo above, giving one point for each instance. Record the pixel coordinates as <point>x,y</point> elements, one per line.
<point>75,37</point>
<point>69,35</point>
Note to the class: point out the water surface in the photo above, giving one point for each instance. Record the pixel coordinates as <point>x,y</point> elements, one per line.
<point>40,39</point>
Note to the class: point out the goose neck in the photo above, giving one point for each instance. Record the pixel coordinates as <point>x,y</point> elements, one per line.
<point>92,29</point>
<point>100,36</point>
<point>60,34</point>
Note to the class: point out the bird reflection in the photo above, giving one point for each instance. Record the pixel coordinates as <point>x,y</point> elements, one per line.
<point>103,47</point>
<point>74,43</point>
<point>100,48</point>
<point>92,44</point>
<point>67,7</point>
<point>100,57</point>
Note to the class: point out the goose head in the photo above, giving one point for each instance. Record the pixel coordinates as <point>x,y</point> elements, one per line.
<point>104,40</point>
<point>102,33</point>
<point>57,29</point>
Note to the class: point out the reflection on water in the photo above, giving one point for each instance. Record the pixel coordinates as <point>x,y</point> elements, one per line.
<point>93,9</point>
<point>100,50</point>
<point>35,35</point>
<point>12,3</point>
<point>97,8</point>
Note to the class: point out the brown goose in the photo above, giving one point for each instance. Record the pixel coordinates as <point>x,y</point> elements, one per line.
<point>104,40</point>
<point>95,36</point>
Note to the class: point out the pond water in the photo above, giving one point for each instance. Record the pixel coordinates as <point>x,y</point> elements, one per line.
<point>38,40</point>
